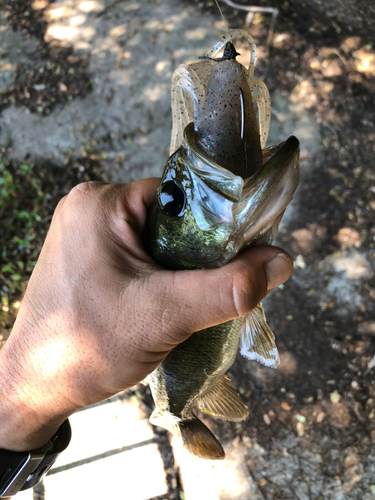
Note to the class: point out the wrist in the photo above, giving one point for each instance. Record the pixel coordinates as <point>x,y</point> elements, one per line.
<point>22,430</point>
<point>23,427</point>
<point>28,420</point>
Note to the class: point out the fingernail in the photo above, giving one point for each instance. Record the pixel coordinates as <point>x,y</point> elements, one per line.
<point>278,270</point>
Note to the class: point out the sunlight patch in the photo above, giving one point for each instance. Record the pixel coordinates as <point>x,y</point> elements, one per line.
<point>366,61</point>
<point>61,32</point>
<point>89,6</point>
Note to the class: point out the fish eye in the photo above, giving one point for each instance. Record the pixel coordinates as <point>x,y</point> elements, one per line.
<point>172,199</point>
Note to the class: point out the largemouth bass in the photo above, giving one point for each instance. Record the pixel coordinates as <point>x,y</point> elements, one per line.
<point>220,192</point>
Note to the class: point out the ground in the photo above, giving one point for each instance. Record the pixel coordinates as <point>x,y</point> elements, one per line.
<point>84,92</point>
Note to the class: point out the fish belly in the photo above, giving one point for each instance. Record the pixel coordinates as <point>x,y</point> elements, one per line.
<point>194,367</point>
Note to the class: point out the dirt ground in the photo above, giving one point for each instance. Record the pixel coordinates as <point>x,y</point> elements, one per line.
<point>311,434</point>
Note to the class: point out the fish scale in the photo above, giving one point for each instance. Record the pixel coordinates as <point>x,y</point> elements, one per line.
<point>219,344</point>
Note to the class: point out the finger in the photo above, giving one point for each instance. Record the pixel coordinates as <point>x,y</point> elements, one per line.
<point>203,298</point>
<point>129,202</point>
<point>138,197</point>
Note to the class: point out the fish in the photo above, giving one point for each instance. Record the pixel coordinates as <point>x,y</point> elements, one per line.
<point>221,191</point>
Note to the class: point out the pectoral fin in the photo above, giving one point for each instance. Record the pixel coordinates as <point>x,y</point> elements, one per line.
<point>257,339</point>
<point>223,401</point>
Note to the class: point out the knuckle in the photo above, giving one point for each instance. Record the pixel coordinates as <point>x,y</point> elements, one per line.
<point>85,188</point>
<point>76,206</point>
<point>247,292</point>
<point>83,198</point>
<point>61,204</point>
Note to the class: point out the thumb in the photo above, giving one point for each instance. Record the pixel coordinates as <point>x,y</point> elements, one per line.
<point>204,298</point>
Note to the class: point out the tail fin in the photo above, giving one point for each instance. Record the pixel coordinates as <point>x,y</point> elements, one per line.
<point>200,441</point>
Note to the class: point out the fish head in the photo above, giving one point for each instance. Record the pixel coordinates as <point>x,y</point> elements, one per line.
<point>190,223</point>
<point>204,214</point>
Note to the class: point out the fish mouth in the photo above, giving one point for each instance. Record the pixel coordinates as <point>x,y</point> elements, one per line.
<point>224,211</point>
<point>219,178</point>
<point>256,204</point>
<point>189,136</point>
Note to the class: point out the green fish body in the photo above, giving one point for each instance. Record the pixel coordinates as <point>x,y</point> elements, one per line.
<point>194,373</point>
<point>205,213</point>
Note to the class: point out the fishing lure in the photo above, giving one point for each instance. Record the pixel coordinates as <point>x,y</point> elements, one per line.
<point>220,192</point>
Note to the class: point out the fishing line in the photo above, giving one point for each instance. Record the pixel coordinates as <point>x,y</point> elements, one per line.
<point>222,15</point>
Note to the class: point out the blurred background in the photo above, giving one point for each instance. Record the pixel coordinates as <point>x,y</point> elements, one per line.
<point>85,95</point>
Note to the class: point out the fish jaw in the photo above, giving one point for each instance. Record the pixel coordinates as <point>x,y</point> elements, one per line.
<point>267,194</point>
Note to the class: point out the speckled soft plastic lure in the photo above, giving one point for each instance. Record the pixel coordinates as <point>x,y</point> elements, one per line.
<point>220,192</point>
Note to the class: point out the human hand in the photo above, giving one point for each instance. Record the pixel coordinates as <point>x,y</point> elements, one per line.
<point>99,314</point>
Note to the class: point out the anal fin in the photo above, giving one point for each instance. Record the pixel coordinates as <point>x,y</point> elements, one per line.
<point>257,339</point>
<point>223,401</point>
<point>200,441</point>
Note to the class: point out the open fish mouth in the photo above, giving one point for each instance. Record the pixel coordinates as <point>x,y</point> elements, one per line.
<point>253,206</point>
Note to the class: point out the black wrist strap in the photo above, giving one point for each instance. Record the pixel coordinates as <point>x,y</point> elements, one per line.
<point>22,470</point>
